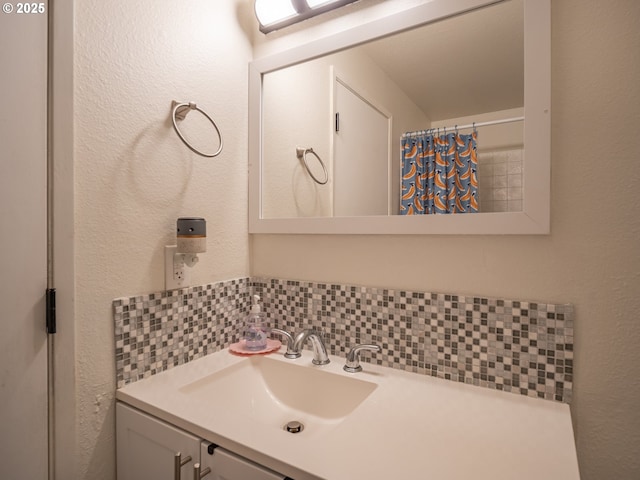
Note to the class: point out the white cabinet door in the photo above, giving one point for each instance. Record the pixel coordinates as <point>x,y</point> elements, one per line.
<point>225,465</point>
<point>146,447</point>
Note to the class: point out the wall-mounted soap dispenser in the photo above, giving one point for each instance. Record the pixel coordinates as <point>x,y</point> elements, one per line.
<point>191,239</point>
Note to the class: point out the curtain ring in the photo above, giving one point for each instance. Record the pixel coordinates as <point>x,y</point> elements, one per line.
<point>301,153</point>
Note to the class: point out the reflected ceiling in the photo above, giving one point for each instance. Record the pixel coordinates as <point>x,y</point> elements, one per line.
<point>486,46</point>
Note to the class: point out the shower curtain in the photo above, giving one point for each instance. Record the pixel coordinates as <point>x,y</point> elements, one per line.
<point>439,173</point>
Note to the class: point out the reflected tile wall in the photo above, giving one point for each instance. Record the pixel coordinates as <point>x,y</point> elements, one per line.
<point>500,180</point>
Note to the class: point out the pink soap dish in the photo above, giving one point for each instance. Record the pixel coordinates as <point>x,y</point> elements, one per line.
<point>241,349</point>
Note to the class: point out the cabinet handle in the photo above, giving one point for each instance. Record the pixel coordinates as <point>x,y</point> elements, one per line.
<point>197,474</point>
<point>178,463</point>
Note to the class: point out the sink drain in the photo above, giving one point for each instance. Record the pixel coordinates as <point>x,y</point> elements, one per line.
<point>294,426</point>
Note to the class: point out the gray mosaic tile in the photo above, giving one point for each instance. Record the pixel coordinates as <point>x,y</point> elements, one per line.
<point>515,346</point>
<point>158,331</point>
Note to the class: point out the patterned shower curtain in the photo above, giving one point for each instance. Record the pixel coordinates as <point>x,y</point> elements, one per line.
<point>439,173</point>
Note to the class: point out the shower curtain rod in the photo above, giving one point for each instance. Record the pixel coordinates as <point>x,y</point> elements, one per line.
<point>461,127</point>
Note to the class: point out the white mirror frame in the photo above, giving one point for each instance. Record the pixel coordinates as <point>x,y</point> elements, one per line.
<point>535,217</point>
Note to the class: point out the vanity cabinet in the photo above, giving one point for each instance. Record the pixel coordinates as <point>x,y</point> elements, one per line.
<point>229,466</point>
<point>147,448</point>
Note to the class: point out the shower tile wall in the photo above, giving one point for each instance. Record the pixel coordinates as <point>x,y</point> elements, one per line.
<point>500,180</point>
<point>515,346</point>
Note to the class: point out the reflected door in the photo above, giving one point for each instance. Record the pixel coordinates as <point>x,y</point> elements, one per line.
<point>23,256</point>
<point>361,155</point>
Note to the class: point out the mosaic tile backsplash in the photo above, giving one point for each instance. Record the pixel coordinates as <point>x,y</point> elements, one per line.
<point>162,330</point>
<point>515,346</point>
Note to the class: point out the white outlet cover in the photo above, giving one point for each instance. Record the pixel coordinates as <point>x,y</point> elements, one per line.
<point>176,275</point>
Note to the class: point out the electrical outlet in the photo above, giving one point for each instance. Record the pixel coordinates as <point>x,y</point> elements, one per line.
<point>176,273</point>
<point>178,269</point>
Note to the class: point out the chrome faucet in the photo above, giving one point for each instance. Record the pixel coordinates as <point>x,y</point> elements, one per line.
<point>320,356</point>
<point>295,345</point>
<point>353,357</point>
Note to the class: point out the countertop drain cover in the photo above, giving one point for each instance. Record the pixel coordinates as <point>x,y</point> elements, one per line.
<point>294,426</point>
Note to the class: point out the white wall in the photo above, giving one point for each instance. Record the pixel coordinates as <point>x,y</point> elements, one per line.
<point>590,259</point>
<point>296,112</point>
<point>134,178</point>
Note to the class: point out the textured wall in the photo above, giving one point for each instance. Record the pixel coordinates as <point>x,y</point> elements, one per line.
<point>591,258</point>
<point>134,177</point>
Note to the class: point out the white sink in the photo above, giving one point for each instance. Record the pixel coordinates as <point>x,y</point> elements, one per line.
<point>365,425</point>
<point>276,391</point>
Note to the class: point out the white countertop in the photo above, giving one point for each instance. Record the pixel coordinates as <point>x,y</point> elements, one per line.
<point>411,427</point>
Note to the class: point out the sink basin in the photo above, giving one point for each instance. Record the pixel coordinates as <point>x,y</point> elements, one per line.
<point>277,391</point>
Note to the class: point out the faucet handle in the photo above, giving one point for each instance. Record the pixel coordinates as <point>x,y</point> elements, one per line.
<point>291,353</point>
<point>353,357</point>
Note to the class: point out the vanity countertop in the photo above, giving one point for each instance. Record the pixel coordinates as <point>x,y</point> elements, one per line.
<point>411,426</point>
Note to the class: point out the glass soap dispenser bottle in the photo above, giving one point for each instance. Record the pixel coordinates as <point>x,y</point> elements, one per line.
<point>256,330</point>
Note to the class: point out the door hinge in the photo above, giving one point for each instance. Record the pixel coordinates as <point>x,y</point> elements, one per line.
<point>51,310</point>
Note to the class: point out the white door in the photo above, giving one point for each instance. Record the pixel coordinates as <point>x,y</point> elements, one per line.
<point>23,243</point>
<point>361,156</point>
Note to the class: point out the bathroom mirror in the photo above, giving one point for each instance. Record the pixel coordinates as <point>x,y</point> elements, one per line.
<point>297,98</point>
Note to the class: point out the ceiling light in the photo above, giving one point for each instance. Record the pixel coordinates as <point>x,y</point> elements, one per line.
<point>276,14</point>
<point>271,12</point>
<point>319,3</point>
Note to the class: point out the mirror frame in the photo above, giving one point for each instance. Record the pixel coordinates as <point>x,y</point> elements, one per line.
<point>535,217</point>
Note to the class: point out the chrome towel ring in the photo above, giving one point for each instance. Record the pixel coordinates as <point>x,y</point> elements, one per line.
<point>301,153</point>
<point>179,112</point>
